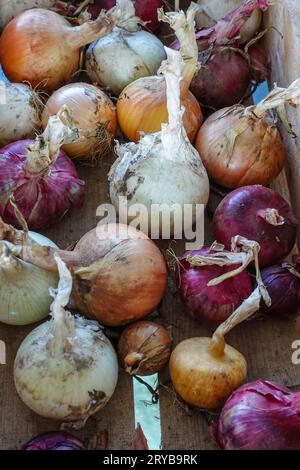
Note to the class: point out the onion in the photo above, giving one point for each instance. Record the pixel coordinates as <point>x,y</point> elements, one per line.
<point>213,303</point>
<point>41,195</point>
<point>283,284</point>
<point>259,214</point>
<point>66,369</point>
<point>94,116</point>
<point>32,37</point>
<point>55,440</point>
<point>260,61</point>
<point>139,54</point>
<point>260,415</point>
<point>119,274</point>
<point>142,105</point>
<point>19,113</point>
<point>11,8</point>
<point>144,9</point>
<point>163,168</point>
<point>144,348</point>
<point>241,146</point>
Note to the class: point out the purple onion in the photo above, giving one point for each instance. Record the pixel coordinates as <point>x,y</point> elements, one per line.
<point>260,415</point>
<point>214,303</point>
<point>54,441</point>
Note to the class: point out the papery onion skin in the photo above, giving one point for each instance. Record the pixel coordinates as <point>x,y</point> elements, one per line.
<point>260,415</point>
<point>202,380</point>
<point>93,114</point>
<point>239,149</point>
<point>241,212</point>
<point>284,289</point>
<point>142,107</point>
<point>55,440</point>
<point>210,303</point>
<point>144,348</point>
<point>260,61</point>
<point>42,199</point>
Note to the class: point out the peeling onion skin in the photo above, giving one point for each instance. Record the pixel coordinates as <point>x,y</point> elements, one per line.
<point>211,303</point>
<point>238,213</point>
<point>144,348</point>
<point>202,380</point>
<point>253,154</point>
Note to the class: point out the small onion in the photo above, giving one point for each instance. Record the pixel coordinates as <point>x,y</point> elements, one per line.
<point>94,116</point>
<point>20,108</point>
<point>260,415</point>
<point>55,440</point>
<point>259,214</point>
<point>119,274</point>
<point>66,369</point>
<point>139,54</point>
<point>32,37</point>
<point>142,106</point>
<point>144,348</point>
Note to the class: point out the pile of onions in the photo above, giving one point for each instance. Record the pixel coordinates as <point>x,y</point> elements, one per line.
<point>260,415</point>
<point>142,105</point>
<point>241,146</point>
<point>205,299</point>
<point>66,369</point>
<point>205,371</point>
<point>119,274</point>
<point>55,440</point>
<point>32,37</point>
<point>139,54</point>
<point>39,176</point>
<point>93,114</point>
<point>225,74</point>
<point>144,348</point>
<point>259,214</point>
<point>144,9</point>
<point>11,8</point>
<point>163,168</point>
<point>19,113</point>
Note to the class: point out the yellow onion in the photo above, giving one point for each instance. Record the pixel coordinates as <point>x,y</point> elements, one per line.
<point>142,106</point>
<point>119,274</point>
<point>144,348</point>
<point>41,47</point>
<point>93,113</point>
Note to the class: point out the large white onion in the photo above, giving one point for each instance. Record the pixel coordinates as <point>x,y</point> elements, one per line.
<point>11,8</point>
<point>20,108</point>
<point>123,56</point>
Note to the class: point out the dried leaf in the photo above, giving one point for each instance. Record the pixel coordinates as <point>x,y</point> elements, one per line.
<point>139,441</point>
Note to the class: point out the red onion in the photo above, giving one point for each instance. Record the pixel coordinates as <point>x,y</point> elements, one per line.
<point>144,9</point>
<point>260,61</point>
<point>283,285</point>
<point>211,303</point>
<point>259,214</point>
<point>54,441</point>
<point>260,415</point>
<point>41,178</point>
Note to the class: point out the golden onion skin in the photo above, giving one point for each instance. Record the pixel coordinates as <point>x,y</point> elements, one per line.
<point>202,379</point>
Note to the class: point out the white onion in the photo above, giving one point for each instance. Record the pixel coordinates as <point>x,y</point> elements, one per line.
<point>163,167</point>
<point>123,56</point>
<point>11,8</point>
<point>20,108</point>
<point>66,369</point>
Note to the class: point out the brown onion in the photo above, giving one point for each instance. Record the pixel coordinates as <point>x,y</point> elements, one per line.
<point>144,348</point>
<point>119,274</point>
<point>93,113</point>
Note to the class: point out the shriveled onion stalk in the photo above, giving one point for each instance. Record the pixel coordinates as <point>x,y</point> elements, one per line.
<point>20,111</point>
<point>163,168</point>
<point>32,37</point>
<point>242,145</point>
<point>142,106</point>
<point>11,8</point>
<point>205,371</point>
<point>39,176</point>
<point>139,54</point>
<point>144,348</point>
<point>66,369</point>
<point>94,115</point>
<point>119,274</point>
